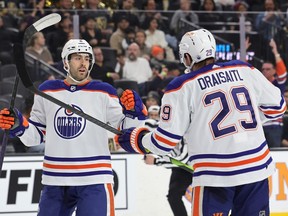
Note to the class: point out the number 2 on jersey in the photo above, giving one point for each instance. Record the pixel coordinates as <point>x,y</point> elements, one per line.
<point>225,111</point>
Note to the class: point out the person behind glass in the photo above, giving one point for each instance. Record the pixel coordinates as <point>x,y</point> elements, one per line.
<point>127,9</point>
<point>102,17</point>
<point>77,173</point>
<point>162,77</point>
<point>37,48</point>
<point>134,67</point>
<point>150,11</point>
<point>184,12</point>
<point>119,35</point>
<point>241,7</point>
<point>269,22</point>
<point>91,34</point>
<point>219,107</point>
<point>140,39</point>
<point>210,15</point>
<point>155,36</point>
<point>129,38</point>
<point>57,38</point>
<point>102,71</point>
<point>277,75</point>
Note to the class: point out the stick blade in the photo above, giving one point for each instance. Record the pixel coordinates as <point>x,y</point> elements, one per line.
<point>20,65</point>
<point>39,25</point>
<point>47,21</point>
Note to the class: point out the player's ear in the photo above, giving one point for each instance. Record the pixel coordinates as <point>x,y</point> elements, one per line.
<point>187,59</point>
<point>65,65</point>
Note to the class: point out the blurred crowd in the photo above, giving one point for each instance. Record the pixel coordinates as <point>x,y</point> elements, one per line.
<point>135,43</point>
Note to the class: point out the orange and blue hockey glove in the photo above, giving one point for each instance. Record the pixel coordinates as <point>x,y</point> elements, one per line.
<point>13,121</point>
<point>131,140</point>
<point>132,105</point>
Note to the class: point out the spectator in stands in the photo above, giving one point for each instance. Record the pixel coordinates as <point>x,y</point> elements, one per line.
<point>154,112</point>
<point>102,71</point>
<point>130,37</point>
<point>127,8</point>
<point>241,7</point>
<point>101,16</point>
<point>140,39</point>
<point>152,99</point>
<point>268,23</point>
<point>210,15</point>
<point>225,5</point>
<point>134,67</point>
<point>185,12</point>
<point>118,36</point>
<point>65,6</point>
<point>278,76</point>
<point>150,11</point>
<point>163,77</point>
<point>92,34</point>
<point>7,38</point>
<point>57,38</point>
<point>157,37</point>
<point>38,9</point>
<point>158,56</point>
<point>37,48</point>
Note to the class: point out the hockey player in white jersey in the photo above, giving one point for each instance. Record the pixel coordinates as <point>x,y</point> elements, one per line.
<point>219,107</point>
<point>77,168</point>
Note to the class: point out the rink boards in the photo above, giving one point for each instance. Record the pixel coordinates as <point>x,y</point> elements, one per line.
<point>140,189</point>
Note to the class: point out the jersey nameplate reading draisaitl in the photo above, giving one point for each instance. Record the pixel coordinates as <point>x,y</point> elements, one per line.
<point>215,79</point>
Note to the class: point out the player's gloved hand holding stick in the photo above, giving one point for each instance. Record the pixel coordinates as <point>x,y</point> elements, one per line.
<point>13,121</point>
<point>132,105</point>
<point>131,140</point>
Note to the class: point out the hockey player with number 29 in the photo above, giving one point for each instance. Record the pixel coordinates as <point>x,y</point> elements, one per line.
<point>220,108</point>
<point>77,172</point>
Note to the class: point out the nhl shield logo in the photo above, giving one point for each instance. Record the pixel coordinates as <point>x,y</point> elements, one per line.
<point>67,124</point>
<point>262,213</point>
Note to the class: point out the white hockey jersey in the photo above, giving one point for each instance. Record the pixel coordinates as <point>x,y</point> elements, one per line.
<point>219,109</point>
<point>76,150</point>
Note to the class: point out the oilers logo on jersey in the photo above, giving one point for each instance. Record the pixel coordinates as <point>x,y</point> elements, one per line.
<point>67,124</point>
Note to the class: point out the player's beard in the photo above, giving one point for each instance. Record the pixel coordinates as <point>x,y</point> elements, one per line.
<point>78,75</point>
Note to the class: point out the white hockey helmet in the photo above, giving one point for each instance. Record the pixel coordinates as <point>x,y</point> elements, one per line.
<point>77,46</point>
<point>199,44</point>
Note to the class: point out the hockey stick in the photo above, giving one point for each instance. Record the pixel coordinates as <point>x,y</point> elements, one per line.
<point>19,55</point>
<point>3,145</point>
<point>42,23</point>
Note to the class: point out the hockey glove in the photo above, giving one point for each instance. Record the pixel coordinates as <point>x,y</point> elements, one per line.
<point>131,140</point>
<point>132,105</point>
<point>13,121</point>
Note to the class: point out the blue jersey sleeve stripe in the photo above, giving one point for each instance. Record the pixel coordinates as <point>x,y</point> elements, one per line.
<point>37,124</point>
<point>62,174</point>
<point>166,133</point>
<point>274,107</point>
<point>79,159</point>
